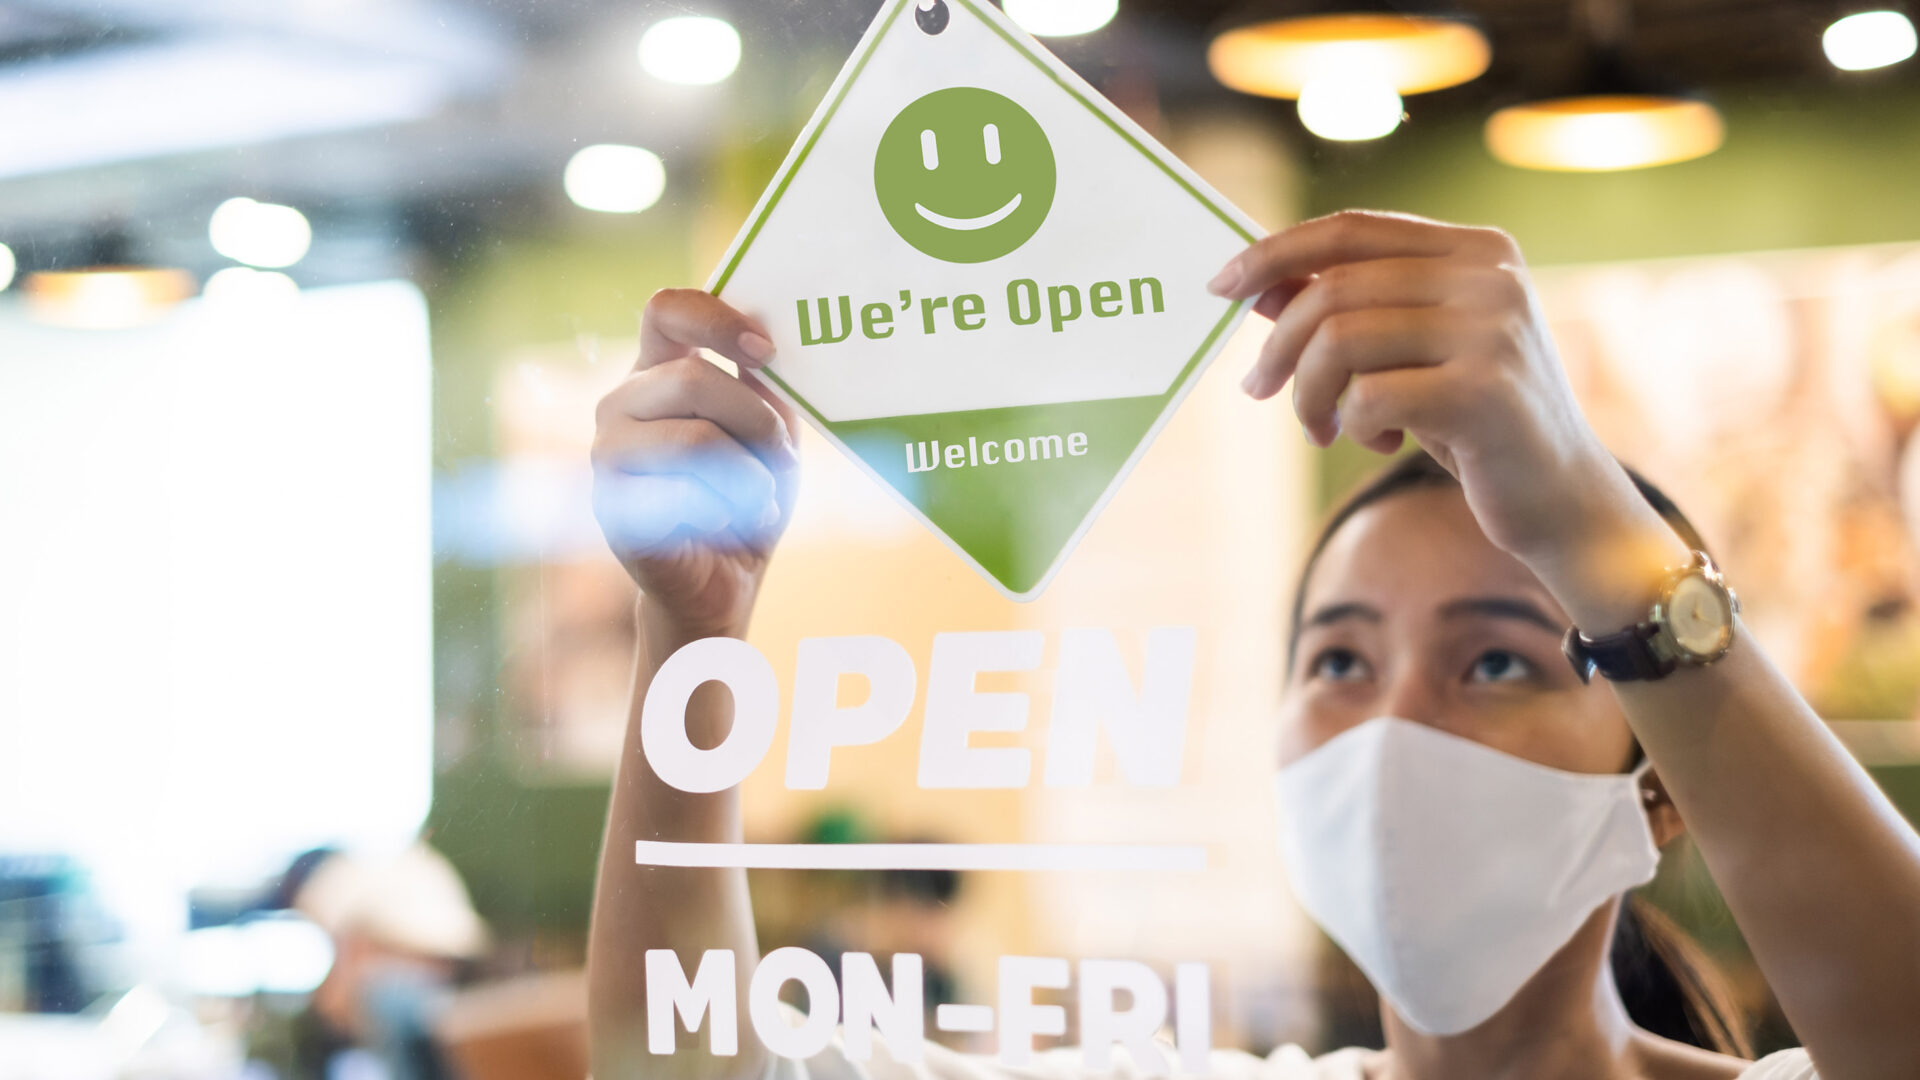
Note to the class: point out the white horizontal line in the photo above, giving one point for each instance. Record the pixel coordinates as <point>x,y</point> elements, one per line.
<point>1166,857</point>
<point>959,1018</point>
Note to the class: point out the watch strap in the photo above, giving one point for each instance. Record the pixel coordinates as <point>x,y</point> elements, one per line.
<point>1624,656</point>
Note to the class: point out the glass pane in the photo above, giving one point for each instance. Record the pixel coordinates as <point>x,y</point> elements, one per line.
<point>983,535</point>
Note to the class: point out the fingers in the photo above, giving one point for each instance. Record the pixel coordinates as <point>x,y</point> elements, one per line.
<point>1354,343</point>
<point>665,482</point>
<point>1352,236</point>
<point>1275,300</point>
<point>1380,406</point>
<point>640,515</point>
<point>691,388</point>
<point>677,322</point>
<point>690,447</point>
<point>781,408</point>
<point>1381,283</point>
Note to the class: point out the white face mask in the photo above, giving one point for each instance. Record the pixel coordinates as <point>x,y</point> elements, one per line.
<point>1451,872</point>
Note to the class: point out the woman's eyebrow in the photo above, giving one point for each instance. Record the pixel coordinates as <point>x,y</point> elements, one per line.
<point>1501,607</point>
<point>1333,613</point>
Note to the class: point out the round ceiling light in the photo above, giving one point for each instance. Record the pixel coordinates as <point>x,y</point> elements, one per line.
<point>1061,18</point>
<point>693,50</point>
<point>1604,132</point>
<point>1410,54</point>
<point>1349,110</point>
<point>7,267</point>
<point>260,234</point>
<point>1869,39</point>
<point>614,179</point>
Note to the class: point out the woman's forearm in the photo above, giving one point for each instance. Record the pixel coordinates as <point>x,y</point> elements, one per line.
<point>637,908</point>
<point>1817,867</point>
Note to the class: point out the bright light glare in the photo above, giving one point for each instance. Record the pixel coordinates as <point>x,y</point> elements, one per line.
<point>216,514</point>
<point>694,50</point>
<point>200,91</point>
<point>260,234</point>
<point>135,1018</point>
<point>7,266</point>
<point>290,954</point>
<point>281,954</point>
<point>240,286</point>
<point>615,179</point>
<point>1061,18</point>
<point>1870,39</point>
<point>1349,110</point>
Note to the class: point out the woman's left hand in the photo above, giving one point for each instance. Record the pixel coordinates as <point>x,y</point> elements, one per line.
<point>1389,325</point>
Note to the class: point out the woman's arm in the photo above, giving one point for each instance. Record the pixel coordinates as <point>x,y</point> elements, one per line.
<point>694,474</point>
<point>1387,325</point>
<point>1818,868</point>
<point>637,908</point>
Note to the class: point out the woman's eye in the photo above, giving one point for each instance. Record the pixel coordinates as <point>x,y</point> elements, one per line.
<point>1499,665</point>
<point>1338,665</point>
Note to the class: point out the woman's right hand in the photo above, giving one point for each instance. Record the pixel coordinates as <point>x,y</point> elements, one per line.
<point>695,470</point>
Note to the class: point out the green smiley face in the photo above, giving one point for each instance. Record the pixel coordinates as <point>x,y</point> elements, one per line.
<point>964,175</point>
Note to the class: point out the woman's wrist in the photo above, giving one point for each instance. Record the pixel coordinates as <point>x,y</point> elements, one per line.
<point>664,632</point>
<point>1616,550</point>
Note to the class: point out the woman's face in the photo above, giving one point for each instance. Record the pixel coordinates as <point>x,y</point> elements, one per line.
<point>1412,612</point>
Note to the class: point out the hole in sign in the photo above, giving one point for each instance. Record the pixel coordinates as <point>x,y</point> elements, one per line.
<point>932,15</point>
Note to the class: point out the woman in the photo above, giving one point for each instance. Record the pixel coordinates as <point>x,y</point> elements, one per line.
<point>1432,733</point>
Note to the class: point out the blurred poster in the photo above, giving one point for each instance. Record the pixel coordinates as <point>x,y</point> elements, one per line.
<point>1775,397</point>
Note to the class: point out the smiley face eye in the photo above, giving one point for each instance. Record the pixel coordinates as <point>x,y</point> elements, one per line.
<point>929,150</point>
<point>992,135</point>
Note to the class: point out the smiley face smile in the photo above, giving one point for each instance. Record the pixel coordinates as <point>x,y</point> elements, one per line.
<point>985,221</point>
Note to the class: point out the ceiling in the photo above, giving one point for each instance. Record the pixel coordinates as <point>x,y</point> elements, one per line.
<point>131,119</point>
<point>1536,41</point>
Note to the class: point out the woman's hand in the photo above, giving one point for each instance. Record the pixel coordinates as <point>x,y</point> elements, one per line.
<point>695,470</point>
<point>1387,324</point>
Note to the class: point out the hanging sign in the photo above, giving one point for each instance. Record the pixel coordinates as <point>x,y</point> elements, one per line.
<point>984,283</point>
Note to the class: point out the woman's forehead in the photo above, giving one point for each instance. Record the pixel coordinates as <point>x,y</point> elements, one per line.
<point>1416,549</point>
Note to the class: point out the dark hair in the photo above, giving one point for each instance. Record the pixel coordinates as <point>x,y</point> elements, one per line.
<point>1669,985</point>
<point>1417,470</point>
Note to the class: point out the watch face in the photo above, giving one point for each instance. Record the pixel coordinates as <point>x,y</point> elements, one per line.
<point>1698,616</point>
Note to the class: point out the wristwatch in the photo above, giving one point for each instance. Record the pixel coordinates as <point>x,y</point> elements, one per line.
<point>1691,625</point>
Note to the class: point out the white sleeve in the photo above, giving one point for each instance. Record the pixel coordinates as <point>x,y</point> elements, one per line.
<point>1791,1064</point>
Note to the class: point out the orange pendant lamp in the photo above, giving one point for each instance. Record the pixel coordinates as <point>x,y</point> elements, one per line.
<point>1615,118</point>
<point>1348,69</point>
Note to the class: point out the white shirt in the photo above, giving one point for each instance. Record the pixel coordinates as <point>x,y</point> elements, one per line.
<point>1287,1063</point>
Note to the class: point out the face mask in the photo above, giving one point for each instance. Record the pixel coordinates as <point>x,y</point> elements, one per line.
<point>1449,871</point>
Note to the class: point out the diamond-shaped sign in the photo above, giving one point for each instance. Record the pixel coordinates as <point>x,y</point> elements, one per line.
<point>985,284</point>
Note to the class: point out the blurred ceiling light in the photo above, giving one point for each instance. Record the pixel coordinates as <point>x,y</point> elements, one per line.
<point>1409,54</point>
<point>1349,108</point>
<point>694,50</point>
<point>241,286</point>
<point>105,298</point>
<point>123,104</point>
<point>1869,39</point>
<point>1061,18</point>
<point>291,954</point>
<point>7,266</point>
<point>1604,132</point>
<point>260,234</point>
<point>615,179</point>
